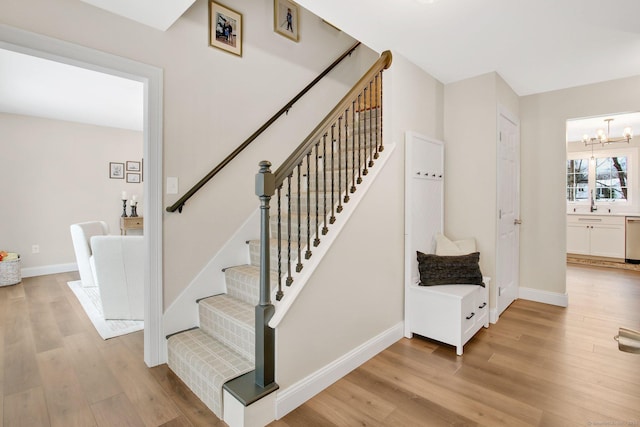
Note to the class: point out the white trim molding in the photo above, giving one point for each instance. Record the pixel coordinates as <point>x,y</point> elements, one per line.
<point>48,269</point>
<point>545,297</point>
<point>290,398</point>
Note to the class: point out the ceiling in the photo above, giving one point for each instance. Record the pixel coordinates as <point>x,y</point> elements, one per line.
<point>535,45</point>
<point>576,128</point>
<point>39,87</point>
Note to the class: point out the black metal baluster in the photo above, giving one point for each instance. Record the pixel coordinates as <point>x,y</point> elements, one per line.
<point>353,147</point>
<point>307,254</point>
<point>299,265</point>
<point>376,155</point>
<point>279,294</point>
<point>333,175</point>
<point>381,142</point>
<point>316,241</point>
<point>370,124</point>
<point>365,171</point>
<point>339,208</point>
<point>346,155</point>
<point>359,181</point>
<point>325,230</point>
<point>289,277</point>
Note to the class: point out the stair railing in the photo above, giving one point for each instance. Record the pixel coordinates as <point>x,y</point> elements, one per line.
<point>329,163</point>
<point>179,204</point>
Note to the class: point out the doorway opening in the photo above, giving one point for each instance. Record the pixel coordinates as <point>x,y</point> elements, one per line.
<point>151,77</point>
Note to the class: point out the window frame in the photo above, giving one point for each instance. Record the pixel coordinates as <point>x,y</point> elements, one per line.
<point>608,152</point>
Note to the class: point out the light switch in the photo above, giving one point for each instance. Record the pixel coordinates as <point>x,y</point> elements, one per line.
<point>172,185</point>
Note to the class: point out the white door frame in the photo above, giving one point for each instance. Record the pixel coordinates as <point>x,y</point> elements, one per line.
<point>503,115</point>
<point>152,77</point>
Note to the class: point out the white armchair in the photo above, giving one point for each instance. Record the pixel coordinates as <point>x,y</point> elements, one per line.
<point>81,235</point>
<point>119,270</point>
<point>113,263</point>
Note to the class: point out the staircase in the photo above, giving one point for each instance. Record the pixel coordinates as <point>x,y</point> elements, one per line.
<point>223,347</point>
<point>311,188</point>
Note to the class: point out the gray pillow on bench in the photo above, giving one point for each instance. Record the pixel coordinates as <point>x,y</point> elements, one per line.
<point>449,270</point>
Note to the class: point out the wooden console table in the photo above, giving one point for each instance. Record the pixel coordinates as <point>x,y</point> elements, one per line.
<point>131,223</point>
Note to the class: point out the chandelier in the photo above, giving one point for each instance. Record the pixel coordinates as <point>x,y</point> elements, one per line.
<point>604,138</point>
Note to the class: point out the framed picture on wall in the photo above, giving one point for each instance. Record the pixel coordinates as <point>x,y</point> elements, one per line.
<point>285,18</point>
<point>133,166</point>
<point>133,178</point>
<point>225,28</point>
<point>116,170</point>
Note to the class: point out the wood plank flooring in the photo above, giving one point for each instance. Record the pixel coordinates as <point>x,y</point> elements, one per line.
<point>55,370</point>
<point>540,365</point>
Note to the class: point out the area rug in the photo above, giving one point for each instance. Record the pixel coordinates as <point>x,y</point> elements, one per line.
<point>90,300</point>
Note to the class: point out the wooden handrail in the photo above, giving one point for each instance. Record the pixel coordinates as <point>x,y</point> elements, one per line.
<point>296,157</point>
<point>177,206</point>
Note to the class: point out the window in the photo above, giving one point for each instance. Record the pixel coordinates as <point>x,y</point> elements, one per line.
<point>577,179</point>
<point>608,176</point>
<point>611,179</point>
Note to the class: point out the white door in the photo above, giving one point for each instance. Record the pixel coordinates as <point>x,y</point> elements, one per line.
<point>507,251</point>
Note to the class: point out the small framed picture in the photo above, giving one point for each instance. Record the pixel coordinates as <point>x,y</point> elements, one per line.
<point>225,28</point>
<point>133,178</point>
<point>116,170</point>
<point>133,166</point>
<point>285,18</point>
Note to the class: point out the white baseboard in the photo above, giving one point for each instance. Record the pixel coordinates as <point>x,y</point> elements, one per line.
<point>493,316</point>
<point>546,297</point>
<point>290,398</point>
<point>48,269</point>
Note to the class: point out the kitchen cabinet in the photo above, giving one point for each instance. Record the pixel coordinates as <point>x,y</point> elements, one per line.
<point>596,235</point>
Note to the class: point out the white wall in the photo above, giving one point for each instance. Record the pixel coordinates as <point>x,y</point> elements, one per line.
<point>470,123</point>
<point>212,102</point>
<point>357,291</point>
<point>470,164</point>
<point>543,174</point>
<point>54,174</point>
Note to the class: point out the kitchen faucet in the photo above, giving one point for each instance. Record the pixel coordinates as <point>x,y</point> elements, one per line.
<point>593,201</point>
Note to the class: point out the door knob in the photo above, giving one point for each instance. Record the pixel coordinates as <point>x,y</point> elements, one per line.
<point>517,222</point>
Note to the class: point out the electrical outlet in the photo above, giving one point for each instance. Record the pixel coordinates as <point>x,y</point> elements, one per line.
<point>35,249</point>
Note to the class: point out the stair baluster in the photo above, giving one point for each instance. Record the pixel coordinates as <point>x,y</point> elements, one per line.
<point>307,255</point>
<point>365,170</point>
<point>333,174</point>
<point>299,265</point>
<point>325,229</point>
<point>279,293</point>
<point>371,163</point>
<point>339,208</point>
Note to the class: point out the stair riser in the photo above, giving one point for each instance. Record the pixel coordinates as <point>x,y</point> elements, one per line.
<point>254,251</point>
<point>310,205</point>
<point>244,285</point>
<point>232,327</point>
<point>204,364</point>
<point>343,161</point>
<point>296,230</point>
<point>349,142</point>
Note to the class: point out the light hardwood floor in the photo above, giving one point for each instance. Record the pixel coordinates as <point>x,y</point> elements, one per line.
<point>540,365</point>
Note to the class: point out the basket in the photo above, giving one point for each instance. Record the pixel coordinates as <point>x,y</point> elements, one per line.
<point>10,272</point>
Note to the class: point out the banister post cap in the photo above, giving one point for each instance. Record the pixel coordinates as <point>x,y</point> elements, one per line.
<point>265,180</point>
